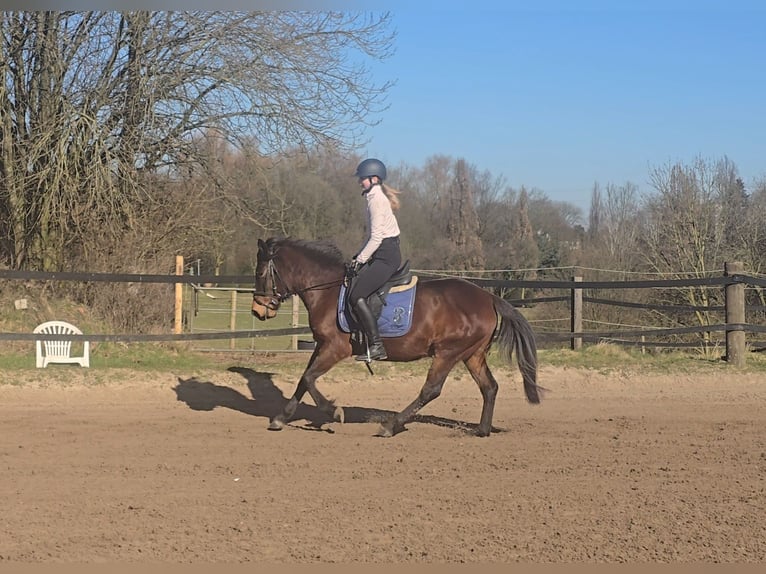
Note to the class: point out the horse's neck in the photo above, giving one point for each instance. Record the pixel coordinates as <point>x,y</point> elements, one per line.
<point>321,296</point>
<point>310,278</point>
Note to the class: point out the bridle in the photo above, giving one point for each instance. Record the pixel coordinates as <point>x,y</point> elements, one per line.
<point>276,298</point>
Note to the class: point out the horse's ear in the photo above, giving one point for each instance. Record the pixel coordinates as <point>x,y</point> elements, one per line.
<point>261,245</point>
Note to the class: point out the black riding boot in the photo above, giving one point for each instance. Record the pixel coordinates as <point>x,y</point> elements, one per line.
<point>374,344</point>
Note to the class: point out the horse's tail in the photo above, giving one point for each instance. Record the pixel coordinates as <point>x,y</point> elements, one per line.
<point>515,332</point>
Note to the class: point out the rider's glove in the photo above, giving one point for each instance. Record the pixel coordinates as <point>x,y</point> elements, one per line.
<point>352,268</point>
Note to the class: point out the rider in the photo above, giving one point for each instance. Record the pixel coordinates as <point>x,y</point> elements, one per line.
<point>380,256</point>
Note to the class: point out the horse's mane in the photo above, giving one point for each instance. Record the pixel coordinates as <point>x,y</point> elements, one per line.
<point>323,251</point>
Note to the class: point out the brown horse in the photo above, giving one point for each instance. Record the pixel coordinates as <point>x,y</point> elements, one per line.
<point>453,320</point>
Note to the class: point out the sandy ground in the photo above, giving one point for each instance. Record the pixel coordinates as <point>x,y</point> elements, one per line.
<point>180,467</point>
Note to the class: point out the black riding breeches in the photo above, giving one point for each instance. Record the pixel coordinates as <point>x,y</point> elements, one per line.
<point>378,269</point>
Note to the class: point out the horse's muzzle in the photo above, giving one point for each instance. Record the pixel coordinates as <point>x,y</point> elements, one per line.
<point>264,307</point>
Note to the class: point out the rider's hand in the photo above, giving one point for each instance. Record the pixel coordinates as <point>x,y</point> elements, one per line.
<point>353,266</point>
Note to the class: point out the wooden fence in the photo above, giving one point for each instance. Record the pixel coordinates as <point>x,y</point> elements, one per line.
<point>733,281</point>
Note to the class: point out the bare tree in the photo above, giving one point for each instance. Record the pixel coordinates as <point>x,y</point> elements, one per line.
<point>422,237</point>
<point>611,249</point>
<point>422,218</point>
<point>462,225</point>
<point>685,231</point>
<point>754,230</point>
<point>516,256</point>
<point>526,253</point>
<point>596,213</point>
<point>94,103</point>
<point>620,225</point>
<point>686,227</point>
<point>557,232</point>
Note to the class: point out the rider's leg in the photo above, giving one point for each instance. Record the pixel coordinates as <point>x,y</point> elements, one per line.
<point>377,352</point>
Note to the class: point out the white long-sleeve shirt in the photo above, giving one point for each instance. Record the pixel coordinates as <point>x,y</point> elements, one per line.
<point>381,222</point>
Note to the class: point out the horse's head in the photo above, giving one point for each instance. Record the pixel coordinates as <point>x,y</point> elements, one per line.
<point>287,267</point>
<point>266,295</point>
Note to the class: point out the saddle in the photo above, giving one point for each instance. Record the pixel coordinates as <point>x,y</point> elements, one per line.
<point>399,281</point>
<point>391,304</point>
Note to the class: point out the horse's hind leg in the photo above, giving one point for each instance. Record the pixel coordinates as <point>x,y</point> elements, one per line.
<point>477,366</point>
<point>437,374</point>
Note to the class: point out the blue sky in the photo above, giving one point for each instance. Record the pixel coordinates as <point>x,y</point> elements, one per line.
<point>559,98</point>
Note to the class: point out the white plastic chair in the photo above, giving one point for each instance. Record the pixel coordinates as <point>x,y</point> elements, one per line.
<point>59,351</point>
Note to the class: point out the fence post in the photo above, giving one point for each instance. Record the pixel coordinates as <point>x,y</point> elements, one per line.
<point>576,318</point>
<point>296,309</point>
<point>178,319</point>
<point>233,319</point>
<point>735,313</point>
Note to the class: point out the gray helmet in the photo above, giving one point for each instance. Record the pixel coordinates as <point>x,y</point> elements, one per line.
<point>370,167</point>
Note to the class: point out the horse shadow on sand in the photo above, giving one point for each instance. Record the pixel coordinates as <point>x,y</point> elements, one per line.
<point>267,400</point>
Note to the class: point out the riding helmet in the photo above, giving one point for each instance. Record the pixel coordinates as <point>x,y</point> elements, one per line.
<point>370,167</point>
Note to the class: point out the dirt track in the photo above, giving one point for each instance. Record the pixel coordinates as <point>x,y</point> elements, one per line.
<point>181,468</point>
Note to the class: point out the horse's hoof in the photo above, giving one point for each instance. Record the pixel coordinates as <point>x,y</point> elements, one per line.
<point>385,431</point>
<point>338,415</point>
<point>276,425</point>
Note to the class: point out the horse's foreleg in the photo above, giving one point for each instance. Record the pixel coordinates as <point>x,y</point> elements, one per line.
<point>318,365</point>
<point>279,421</point>
<point>323,404</point>
<point>437,374</point>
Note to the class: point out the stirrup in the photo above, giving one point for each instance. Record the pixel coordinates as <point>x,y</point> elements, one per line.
<point>368,357</point>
